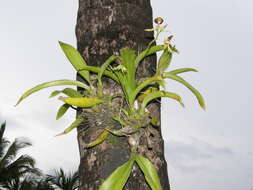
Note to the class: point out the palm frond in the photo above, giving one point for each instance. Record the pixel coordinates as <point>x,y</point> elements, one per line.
<point>64,181</point>
<point>3,141</point>
<point>15,147</point>
<point>20,167</point>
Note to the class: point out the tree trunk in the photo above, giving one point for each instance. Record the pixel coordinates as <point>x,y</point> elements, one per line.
<point>103,28</point>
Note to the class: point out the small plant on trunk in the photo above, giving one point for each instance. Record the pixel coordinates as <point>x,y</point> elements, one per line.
<point>133,115</point>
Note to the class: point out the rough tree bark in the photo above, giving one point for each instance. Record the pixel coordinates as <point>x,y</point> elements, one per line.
<point>103,28</point>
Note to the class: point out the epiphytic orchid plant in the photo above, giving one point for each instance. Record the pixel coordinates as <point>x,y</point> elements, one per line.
<point>136,93</point>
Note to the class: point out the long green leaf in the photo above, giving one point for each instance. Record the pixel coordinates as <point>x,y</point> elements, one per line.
<point>190,87</point>
<point>100,139</point>
<point>97,70</point>
<point>75,59</point>
<point>121,79</point>
<point>118,179</point>
<point>141,86</point>
<point>128,57</point>
<point>164,61</point>
<point>104,67</point>
<point>150,172</point>
<point>73,125</point>
<point>158,94</point>
<point>62,110</point>
<point>145,93</point>
<point>183,70</point>
<point>50,84</point>
<point>147,52</point>
<point>83,102</point>
<point>68,91</point>
<point>55,93</point>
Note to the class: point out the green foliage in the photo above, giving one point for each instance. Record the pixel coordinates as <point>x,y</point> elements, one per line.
<point>50,84</point>
<point>58,180</point>
<point>137,93</point>
<point>190,87</point>
<point>103,68</point>
<point>73,125</point>
<point>149,171</point>
<point>149,51</point>
<point>67,91</point>
<point>164,62</point>
<point>19,172</point>
<point>159,94</point>
<point>62,110</point>
<point>100,139</point>
<point>63,181</point>
<point>82,102</point>
<point>118,179</point>
<point>76,60</point>
<point>13,166</point>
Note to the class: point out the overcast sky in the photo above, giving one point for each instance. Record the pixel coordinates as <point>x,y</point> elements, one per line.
<point>204,150</point>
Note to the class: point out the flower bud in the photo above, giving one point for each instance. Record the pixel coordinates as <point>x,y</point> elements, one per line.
<point>170,38</point>
<point>159,20</point>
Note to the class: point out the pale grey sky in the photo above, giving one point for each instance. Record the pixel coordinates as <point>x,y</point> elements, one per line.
<point>205,150</point>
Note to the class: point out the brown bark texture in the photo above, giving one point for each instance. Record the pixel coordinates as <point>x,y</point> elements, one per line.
<point>103,28</point>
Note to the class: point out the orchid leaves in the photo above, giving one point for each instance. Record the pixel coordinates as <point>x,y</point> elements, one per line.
<point>67,91</point>
<point>62,110</point>
<point>149,172</point>
<point>51,84</point>
<point>159,94</point>
<point>73,125</point>
<point>123,73</point>
<point>76,60</point>
<point>118,179</point>
<point>164,62</point>
<point>104,67</point>
<point>190,87</point>
<point>149,51</point>
<point>137,93</point>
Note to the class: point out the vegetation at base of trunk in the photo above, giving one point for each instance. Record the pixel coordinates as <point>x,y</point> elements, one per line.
<point>133,115</point>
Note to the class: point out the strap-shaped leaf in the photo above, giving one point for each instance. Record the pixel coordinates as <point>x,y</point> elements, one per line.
<point>50,84</point>
<point>145,93</point>
<point>164,61</point>
<point>97,70</point>
<point>149,171</point>
<point>68,91</point>
<point>62,110</point>
<point>159,94</point>
<point>118,179</point>
<point>55,93</point>
<point>104,67</point>
<point>190,87</point>
<point>82,102</point>
<point>76,60</point>
<point>141,86</point>
<point>128,57</point>
<point>100,139</point>
<point>124,131</point>
<point>73,125</point>
<point>147,52</point>
<point>183,70</point>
